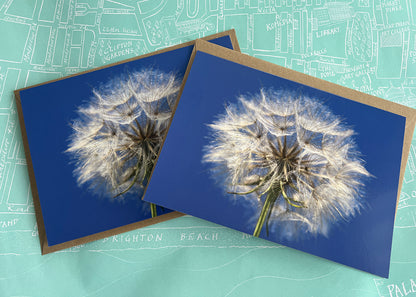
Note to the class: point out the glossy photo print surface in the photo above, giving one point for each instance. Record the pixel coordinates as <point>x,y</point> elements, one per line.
<point>93,140</point>
<point>283,161</point>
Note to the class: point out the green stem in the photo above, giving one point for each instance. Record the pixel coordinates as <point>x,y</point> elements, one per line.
<point>268,204</point>
<point>153,210</point>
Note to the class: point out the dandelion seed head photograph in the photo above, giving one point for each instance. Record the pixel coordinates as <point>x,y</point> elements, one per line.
<point>283,161</point>
<point>292,156</point>
<point>94,139</point>
<point>117,137</point>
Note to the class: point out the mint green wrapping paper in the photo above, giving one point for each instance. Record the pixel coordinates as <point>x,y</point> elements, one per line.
<point>365,45</point>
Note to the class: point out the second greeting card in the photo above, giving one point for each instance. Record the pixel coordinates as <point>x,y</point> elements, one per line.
<point>285,157</point>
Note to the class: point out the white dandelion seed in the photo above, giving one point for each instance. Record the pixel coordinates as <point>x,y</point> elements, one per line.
<point>291,156</point>
<point>117,136</point>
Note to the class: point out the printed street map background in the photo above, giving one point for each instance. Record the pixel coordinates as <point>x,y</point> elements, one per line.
<point>368,45</point>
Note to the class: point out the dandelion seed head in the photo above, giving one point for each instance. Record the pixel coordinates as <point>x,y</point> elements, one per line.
<point>117,136</point>
<point>295,149</point>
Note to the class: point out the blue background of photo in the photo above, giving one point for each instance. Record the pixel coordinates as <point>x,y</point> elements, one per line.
<point>182,182</point>
<point>70,211</point>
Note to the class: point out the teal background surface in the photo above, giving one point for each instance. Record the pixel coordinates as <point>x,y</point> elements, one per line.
<point>368,45</point>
